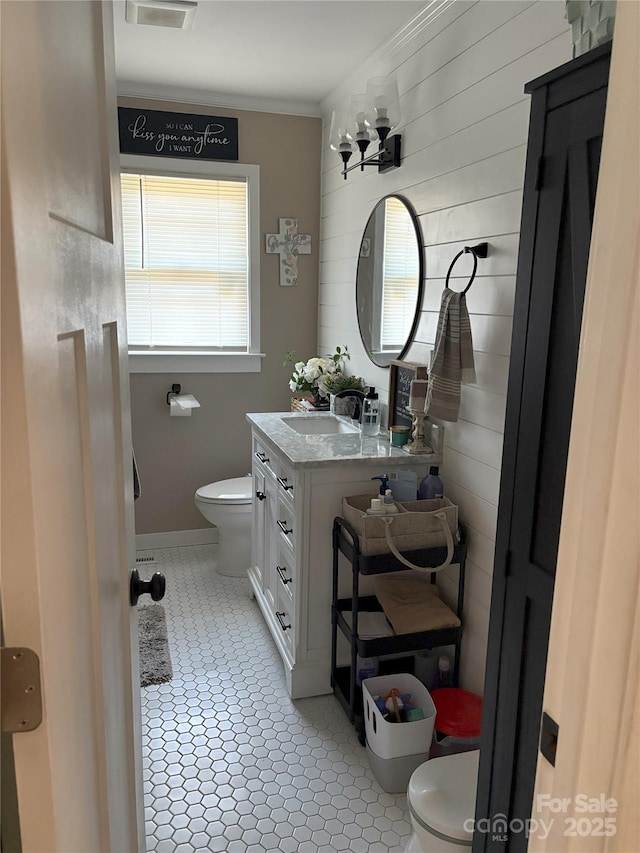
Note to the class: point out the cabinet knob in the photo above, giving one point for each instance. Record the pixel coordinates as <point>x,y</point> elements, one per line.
<point>261,496</point>
<point>284,484</point>
<point>261,456</point>
<point>283,526</point>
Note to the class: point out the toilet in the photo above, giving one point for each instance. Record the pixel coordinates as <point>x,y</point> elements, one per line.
<point>442,802</point>
<point>227,504</point>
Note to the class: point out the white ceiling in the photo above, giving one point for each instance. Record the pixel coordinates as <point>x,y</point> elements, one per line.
<point>244,51</point>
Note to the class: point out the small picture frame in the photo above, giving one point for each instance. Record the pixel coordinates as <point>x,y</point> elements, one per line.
<point>401,374</point>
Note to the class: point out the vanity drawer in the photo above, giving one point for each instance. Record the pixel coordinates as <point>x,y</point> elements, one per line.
<point>285,572</point>
<point>285,522</point>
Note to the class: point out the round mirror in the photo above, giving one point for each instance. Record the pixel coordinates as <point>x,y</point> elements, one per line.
<point>389,280</point>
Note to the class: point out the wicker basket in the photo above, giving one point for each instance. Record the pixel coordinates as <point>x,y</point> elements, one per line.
<point>298,405</point>
<point>301,404</point>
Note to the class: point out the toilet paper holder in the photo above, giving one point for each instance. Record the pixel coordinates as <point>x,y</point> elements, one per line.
<point>181,404</point>
<point>176,388</point>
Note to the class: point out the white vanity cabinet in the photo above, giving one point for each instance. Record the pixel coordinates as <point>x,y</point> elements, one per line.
<point>298,489</point>
<point>274,544</point>
<point>274,510</point>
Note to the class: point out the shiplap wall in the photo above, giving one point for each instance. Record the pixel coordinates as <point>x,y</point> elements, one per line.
<point>464,126</point>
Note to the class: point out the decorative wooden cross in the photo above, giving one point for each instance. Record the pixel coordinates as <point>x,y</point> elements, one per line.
<point>289,244</point>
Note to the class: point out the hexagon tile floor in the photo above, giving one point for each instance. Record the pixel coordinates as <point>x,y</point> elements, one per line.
<point>231,763</point>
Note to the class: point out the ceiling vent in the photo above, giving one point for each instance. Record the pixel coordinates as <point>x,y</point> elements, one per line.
<point>177,14</point>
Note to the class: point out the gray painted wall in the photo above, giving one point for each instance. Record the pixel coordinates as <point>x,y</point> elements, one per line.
<point>177,455</point>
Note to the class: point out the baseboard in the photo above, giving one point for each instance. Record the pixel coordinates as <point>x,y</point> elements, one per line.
<point>176,538</point>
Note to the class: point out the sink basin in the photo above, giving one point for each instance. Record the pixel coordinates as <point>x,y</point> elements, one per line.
<point>319,425</point>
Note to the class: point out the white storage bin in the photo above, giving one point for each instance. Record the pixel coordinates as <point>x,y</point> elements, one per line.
<point>394,740</point>
<point>393,774</point>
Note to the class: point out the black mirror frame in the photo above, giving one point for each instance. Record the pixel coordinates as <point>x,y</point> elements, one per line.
<point>416,318</point>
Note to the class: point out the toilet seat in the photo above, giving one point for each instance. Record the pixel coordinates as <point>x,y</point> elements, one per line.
<point>442,796</point>
<point>234,492</point>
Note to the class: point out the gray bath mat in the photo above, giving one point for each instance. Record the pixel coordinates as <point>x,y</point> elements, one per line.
<point>155,660</point>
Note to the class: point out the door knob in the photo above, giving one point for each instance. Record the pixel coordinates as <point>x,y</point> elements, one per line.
<point>155,587</point>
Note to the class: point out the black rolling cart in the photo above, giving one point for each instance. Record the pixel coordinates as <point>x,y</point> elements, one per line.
<point>343,679</point>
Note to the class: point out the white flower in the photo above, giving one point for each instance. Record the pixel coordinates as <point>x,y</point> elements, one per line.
<point>308,377</point>
<point>313,369</point>
<point>322,388</point>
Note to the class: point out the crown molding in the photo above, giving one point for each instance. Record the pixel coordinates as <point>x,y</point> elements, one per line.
<point>413,28</point>
<point>284,106</point>
<point>389,54</point>
<point>196,97</point>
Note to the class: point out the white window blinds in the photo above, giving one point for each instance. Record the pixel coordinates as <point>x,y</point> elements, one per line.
<point>186,262</point>
<point>401,265</point>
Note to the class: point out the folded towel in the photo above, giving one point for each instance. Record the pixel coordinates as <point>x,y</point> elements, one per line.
<point>370,624</point>
<point>452,361</point>
<point>412,605</point>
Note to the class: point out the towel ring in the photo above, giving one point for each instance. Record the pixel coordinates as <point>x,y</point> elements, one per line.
<point>479,251</point>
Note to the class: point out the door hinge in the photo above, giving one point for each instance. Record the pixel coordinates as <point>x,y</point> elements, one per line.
<point>539,174</point>
<point>549,738</point>
<point>21,691</point>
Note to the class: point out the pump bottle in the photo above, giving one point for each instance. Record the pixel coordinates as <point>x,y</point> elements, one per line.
<point>371,413</point>
<point>384,483</point>
<point>431,486</point>
<point>388,503</point>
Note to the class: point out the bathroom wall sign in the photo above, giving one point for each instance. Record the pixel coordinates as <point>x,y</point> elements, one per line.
<point>401,374</point>
<point>165,134</point>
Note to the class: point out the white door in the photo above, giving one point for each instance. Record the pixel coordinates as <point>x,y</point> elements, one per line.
<point>66,480</point>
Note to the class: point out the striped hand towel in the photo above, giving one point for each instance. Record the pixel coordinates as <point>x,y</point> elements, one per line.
<point>452,360</point>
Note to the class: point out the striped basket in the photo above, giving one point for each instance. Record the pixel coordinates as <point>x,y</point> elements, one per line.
<point>301,404</point>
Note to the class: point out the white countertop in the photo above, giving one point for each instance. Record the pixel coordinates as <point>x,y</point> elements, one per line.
<point>324,450</point>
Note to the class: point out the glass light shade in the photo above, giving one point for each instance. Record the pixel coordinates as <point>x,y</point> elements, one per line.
<point>339,138</point>
<point>360,118</point>
<point>383,94</point>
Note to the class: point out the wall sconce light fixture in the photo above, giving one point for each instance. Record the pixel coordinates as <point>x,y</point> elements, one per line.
<point>365,117</point>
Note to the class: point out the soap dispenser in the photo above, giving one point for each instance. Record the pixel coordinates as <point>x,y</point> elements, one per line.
<point>371,413</point>
<point>384,484</point>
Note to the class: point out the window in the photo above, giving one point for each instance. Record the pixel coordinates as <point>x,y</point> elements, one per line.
<point>191,286</point>
<point>400,271</point>
<point>186,262</point>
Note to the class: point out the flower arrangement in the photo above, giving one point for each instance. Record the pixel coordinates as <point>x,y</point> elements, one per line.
<point>339,381</point>
<point>322,376</point>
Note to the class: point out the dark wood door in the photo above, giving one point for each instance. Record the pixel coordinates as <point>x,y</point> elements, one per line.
<point>567,119</point>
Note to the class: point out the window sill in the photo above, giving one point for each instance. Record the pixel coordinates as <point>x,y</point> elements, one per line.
<point>195,362</point>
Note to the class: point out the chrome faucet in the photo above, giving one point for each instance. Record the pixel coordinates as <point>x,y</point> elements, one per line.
<point>358,398</point>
